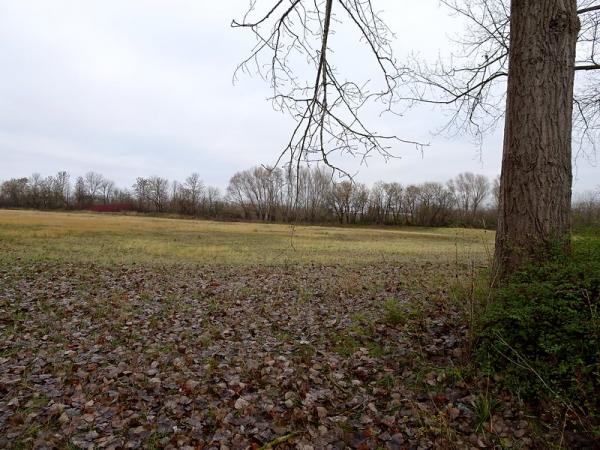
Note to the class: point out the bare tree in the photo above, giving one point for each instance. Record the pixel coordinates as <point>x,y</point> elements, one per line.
<point>536,179</point>
<point>395,193</point>
<point>533,47</point>
<point>327,108</point>
<point>471,191</point>
<point>93,185</point>
<point>61,189</point>
<point>411,203</point>
<point>158,192</point>
<point>237,195</point>
<point>35,190</point>
<point>141,190</point>
<point>14,192</point>
<point>258,191</point>
<point>359,202</point>
<point>194,191</point>
<point>107,189</point>
<point>123,197</point>
<point>378,203</point>
<point>310,199</point>
<point>519,62</point>
<point>435,204</point>
<point>80,193</point>
<point>386,202</point>
<point>340,200</point>
<point>212,199</point>
<point>587,76</point>
<point>473,79</point>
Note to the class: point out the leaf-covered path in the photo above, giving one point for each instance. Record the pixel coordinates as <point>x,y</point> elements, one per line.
<point>226,357</point>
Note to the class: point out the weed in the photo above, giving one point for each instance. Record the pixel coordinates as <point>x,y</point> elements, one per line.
<point>359,317</point>
<point>376,350</point>
<point>394,314</point>
<point>305,295</point>
<point>346,345</point>
<point>154,441</point>
<point>306,352</point>
<point>71,446</point>
<point>484,406</point>
<point>387,381</point>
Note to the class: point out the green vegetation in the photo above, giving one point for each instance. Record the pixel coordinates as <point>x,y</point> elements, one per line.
<point>541,335</point>
<point>483,406</point>
<point>394,315</point>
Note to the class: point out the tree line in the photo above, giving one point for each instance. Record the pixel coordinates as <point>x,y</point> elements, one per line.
<point>306,195</point>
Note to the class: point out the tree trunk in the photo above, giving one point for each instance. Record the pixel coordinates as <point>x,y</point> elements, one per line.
<point>535,187</point>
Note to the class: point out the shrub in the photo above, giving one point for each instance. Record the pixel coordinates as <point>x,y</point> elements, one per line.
<point>541,335</point>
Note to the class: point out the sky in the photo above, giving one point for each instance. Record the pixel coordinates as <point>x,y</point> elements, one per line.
<point>144,87</point>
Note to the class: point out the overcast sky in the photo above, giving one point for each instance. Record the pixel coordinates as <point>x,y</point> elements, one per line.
<point>142,87</point>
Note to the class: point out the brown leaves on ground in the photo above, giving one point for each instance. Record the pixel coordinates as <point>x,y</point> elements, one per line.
<point>225,357</point>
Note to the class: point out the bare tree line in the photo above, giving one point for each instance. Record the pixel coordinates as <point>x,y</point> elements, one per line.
<point>95,191</point>
<point>304,195</point>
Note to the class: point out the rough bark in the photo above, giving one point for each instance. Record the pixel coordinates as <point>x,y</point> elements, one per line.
<point>535,191</point>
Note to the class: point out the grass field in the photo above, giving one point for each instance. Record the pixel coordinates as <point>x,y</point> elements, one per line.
<point>138,332</point>
<point>114,239</point>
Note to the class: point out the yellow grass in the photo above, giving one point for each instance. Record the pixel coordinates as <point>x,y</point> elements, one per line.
<point>110,239</point>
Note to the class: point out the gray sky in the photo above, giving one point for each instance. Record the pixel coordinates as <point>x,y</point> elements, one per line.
<point>141,87</point>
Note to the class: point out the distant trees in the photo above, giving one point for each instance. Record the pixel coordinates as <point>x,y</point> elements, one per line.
<point>14,192</point>
<point>93,184</point>
<point>214,205</point>
<point>80,193</point>
<point>107,191</point>
<point>471,191</point>
<point>311,190</point>
<point>191,195</point>
<point>141,193</point>
<point>387,202</point>
<point>586,209</point>
<point>304,195</point>
<point>158,193</point>
<point>259,192</point>
<point>312,195</point>
<point>51,192</point>
<point>151,194</point>
<point>61,189</point>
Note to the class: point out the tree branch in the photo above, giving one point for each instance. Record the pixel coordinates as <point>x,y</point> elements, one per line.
<point>590,9</point>
<point>588,67</point>
<point>327,110</point>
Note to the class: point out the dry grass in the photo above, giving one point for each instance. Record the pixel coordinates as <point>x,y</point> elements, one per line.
<point>117,239</point>
<point>145,306</point>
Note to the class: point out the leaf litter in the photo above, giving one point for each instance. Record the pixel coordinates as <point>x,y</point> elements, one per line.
<point>218,357</point>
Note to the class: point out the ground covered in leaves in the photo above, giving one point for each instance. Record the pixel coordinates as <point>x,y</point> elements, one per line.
<point>232,357</point>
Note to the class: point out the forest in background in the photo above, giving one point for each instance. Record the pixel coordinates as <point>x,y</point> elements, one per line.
<point>309,195</point>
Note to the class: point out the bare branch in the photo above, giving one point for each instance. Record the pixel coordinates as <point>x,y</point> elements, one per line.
<point>590,9</point>
<point>327,109</point>
<point>589,67</point>
<point>473,83</point>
